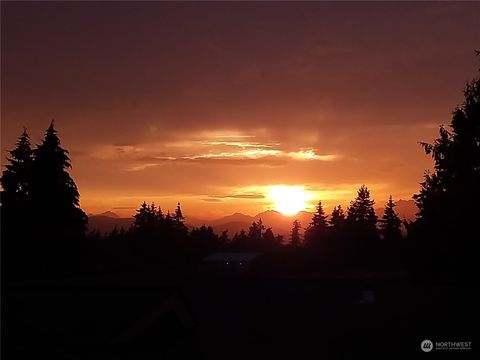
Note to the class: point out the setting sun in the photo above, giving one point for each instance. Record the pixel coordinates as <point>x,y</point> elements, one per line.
<point>223,164</point>
<point>289,200</point>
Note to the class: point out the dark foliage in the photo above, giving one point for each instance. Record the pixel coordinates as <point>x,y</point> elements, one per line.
<point>16,177</point>
<point>361,219</point>
<point>337,221</point>
<point>257,239</point>
<point>447,225</point>
<point>55,202</point>
<point>317,229</point>
<point>40,203</point>
<point>390,223</point>
<point>204,240</point>
<point>295,239</point>
<point>15,210</point>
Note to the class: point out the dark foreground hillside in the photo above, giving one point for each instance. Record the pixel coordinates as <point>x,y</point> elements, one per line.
<point>298,316</point>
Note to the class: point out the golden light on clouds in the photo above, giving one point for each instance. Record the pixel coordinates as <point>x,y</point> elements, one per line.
<point>263,106</point>
<point>207,148</point>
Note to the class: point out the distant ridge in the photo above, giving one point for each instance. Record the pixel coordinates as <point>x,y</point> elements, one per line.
<point>406,209</point>
<point>110,214</point>
<point>234,223</point>
<point>107,221</point>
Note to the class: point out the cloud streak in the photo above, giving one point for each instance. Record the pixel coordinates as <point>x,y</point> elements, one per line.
<point>251,196</point>
<point>226,151</point>
<point>342,95</point>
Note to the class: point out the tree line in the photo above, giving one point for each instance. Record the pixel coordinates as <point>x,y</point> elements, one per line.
<point>360,219</point>
<point>44,228</point>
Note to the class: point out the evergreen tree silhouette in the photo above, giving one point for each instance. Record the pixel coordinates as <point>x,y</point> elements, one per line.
<point>179,230</point>
<point>146,220</point>
<point>15,213</point>
<point>159,234</point>
<point>253,240</point>
<point>390,222</point>
<point>269,239</point>
<point>147,229</point>
<point>337,219</point>
<point>114,234</point>
<point>223,239</point>
<point>60,221</point>
<point>169,220</point>
<point>447,221</point>
<point>361,218</point>
<point>318,227</point>
<point>255,232</point>
<point>240,241</point>
<point>204,239</point>
<point>295,239</point>
<point>159,216</point>
<point>178,216</point>
<point>17,175</point>
<point>279,239</point>
<point>340,238</point>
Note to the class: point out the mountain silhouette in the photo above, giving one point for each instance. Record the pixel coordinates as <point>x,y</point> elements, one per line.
<point>232,227</point>
<point>106,223</point>
<point>234,218</point>
<point>280,223</point>
<point>110,214</point>
<point>234,223</point>
<point>272,217</point>
<point>406,209</point>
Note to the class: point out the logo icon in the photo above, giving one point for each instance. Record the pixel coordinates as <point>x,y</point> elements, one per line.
<point>426,345</point>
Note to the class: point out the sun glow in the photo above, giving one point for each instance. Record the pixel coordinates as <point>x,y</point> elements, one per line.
<point>289,200</point>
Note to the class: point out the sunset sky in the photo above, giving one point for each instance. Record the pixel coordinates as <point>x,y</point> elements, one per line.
<point>215,104</point>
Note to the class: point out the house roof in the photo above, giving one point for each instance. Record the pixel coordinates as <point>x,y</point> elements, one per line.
<point>233,256</point>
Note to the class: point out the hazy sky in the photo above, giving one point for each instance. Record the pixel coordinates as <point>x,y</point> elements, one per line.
<point>211,103</point>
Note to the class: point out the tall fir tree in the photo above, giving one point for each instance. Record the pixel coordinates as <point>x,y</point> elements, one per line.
<point>146,220</point>
<point>223,239</point>
<point>180,229</point>
<point>178,216</point>
<point>271,241</point>
<point>17,174</point>
<point>390,223</point>
<point>255,232</point>
<point>337,219</point>
<point>240,241</point>
<point>268,238</point>
<point>318,226</point>
<point>16,221</point>
<point>361,217</point>
<point>295,239</point>
<point>203,239</point>
<point>447,221</point>
<point>54,194</point>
